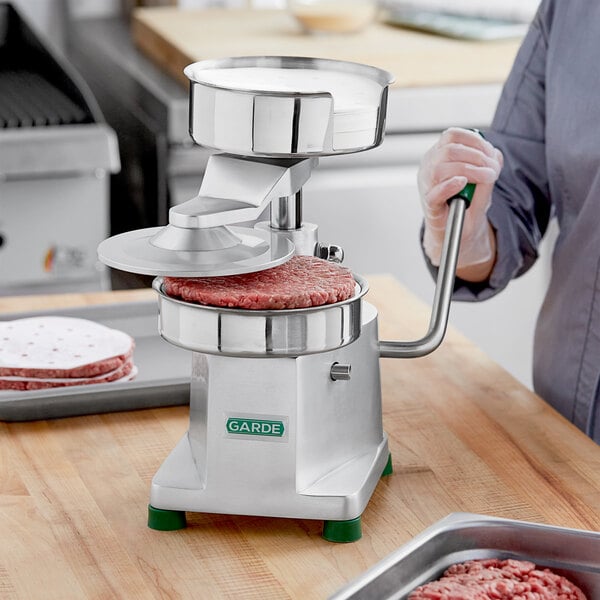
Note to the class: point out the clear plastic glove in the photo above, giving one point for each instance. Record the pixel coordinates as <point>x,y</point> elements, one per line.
<point>459,157</point>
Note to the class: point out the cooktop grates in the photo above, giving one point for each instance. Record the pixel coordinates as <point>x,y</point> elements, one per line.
<point>28,100</point>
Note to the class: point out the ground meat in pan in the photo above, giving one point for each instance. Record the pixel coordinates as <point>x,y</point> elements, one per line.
<point>494,579</point>
<point>301,282</point>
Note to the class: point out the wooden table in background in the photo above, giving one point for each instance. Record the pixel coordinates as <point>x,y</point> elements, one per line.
<point>174,37</point>
<point>464,436</point>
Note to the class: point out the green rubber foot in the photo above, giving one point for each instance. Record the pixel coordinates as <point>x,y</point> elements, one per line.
<point>342,531</point>
<point>388,469</point>
<point>165,520</point>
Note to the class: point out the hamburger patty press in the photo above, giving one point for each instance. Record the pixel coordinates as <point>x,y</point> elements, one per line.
<point>285,405</point>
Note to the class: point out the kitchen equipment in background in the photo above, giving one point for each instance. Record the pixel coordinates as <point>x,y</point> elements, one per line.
<point>49,17</point>
<point>285,405</point>
<point>572,553</point>
<point>333,16</point>
<point>56,154</point>
<point>521,11</point>
<point>455,26</point>
<point>481,20</point>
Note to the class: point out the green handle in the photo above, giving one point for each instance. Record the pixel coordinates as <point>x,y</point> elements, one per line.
<point>469,190</point>
<point>466,194</point>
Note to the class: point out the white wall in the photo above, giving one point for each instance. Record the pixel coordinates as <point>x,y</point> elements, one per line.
<point>83,9</point>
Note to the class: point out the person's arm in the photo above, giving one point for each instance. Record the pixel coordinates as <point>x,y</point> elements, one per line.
<point>480,271</point>
<point>517,208</point>
<point>521,204</point>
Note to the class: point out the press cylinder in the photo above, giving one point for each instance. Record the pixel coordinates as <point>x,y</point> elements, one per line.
<point>286,212</point>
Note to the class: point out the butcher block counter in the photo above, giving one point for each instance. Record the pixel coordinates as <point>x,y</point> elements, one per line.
<point>174,37</point>
<point>464,436</point>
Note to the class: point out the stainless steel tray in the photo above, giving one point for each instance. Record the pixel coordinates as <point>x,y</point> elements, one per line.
<point>572,553</point>
<point>163,370</point>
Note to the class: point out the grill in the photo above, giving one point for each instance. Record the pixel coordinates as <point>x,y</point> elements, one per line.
<point>56,157</point>
<point>29,100</point>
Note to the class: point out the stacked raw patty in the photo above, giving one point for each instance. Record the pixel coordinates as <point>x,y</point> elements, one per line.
<point>48,352</point>
<point>301,282</point>
<point>496,579</point>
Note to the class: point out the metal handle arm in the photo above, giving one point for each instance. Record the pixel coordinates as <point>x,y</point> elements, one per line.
<point>443,292</point>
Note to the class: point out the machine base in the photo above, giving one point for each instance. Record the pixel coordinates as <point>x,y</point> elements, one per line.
<point>166,520</point>
<point>340,532</point>
<point>340,496</point>
<point>389,468</point>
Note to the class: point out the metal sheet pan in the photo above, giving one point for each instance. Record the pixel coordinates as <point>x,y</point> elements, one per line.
<point>572,553</point>
<point>163,370</point>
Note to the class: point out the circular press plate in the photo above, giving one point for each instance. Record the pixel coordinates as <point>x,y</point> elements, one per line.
<point>135,252</point>
<point>287,106</point>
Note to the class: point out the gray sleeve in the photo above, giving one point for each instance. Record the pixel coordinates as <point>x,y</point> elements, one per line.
<point>521,207</point>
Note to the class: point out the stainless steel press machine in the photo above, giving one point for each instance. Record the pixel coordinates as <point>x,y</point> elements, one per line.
<point>285,406</point>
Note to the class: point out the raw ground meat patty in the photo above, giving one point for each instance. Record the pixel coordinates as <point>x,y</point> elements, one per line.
<point>89,370</point>
<point>301,282</point>
<point>125,372</point>
<point>498,580</point>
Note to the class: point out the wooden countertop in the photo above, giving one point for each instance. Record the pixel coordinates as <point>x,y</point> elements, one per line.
<point>175,37</point>
<point>464,436</point>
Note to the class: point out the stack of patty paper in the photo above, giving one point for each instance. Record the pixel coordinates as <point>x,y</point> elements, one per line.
<point>48,352</point>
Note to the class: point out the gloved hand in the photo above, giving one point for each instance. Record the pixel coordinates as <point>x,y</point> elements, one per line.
<point>459,157</point>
